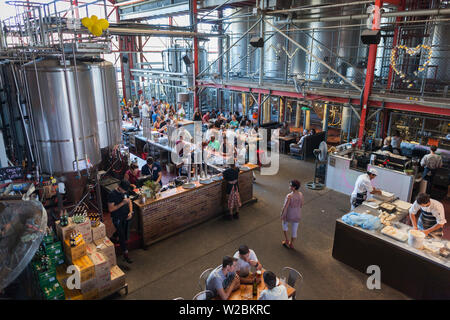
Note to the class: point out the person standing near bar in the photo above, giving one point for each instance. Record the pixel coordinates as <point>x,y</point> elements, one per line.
<point>231,176</point>
<point>363,185</point>
<point>119,207</point>
<point>396,141</point>
<point>431,162</point>
<point>431,215</point>
<point>291,213</point>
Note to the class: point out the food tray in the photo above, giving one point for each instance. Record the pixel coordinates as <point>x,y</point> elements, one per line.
<point>205,181</point>
<point>394,233</point>
<point>188,186</point>
<point>372,204</point>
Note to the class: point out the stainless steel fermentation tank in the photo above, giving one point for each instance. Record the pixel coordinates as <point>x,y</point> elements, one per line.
<point>106,103</point>
<point>71,105</point>
<point>173,60</point>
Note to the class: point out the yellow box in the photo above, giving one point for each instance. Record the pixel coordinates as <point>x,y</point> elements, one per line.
<point>74,253</point>
<point>117,278</point>
<point>86,268</point>
<point>73,294</point>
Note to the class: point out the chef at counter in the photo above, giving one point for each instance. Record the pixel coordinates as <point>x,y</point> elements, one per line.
<point>431,215</point>
<point>363,185</point>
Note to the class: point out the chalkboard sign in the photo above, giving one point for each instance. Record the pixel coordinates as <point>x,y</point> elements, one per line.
<point>11,173</point>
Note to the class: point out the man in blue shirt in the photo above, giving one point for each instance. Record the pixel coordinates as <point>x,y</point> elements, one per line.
<point>223,280</point>
<point>153,169</point>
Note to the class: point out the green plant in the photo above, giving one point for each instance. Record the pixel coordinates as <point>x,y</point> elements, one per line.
<point>153,186</point>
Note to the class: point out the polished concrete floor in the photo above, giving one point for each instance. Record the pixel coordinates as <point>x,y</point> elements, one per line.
<point>171,268</point>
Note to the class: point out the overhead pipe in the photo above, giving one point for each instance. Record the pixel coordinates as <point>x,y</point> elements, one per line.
<point>356,3</point>
<point>415,13</point>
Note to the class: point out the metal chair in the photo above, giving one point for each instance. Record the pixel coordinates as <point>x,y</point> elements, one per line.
<point>293,278</point>
<point>204,295</point>
<point>203,277</point>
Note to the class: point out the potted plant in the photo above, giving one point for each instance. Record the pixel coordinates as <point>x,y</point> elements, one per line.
<point>150,189</point>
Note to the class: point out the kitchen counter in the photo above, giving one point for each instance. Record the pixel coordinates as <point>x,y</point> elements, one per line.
<point>417,273</point>
<point>178,209</point>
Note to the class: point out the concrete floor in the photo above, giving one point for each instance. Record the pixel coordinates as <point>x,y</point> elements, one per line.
<point>170,268</point>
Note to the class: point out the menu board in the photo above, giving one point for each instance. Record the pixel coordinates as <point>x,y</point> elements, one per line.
<point>11,173</point>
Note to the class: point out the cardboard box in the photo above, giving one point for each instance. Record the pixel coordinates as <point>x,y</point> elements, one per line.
<point>53,249</point>
<point>90,248</point>
<point>98,232</point>
<point>104,281</point>
<point>102,265</point>
<point>105,291</point>
<point>106,247</point>
<point>62,275</point>
<point>88,285</point>
<point>91,295</point>
<point>117,278</point>
<point>86,268</point>
<point>85,229</point>
<point>73,294</point>
<point>53,292</point>
<point>64,232</point>
<point>74,253</point>
<point>59,259</point>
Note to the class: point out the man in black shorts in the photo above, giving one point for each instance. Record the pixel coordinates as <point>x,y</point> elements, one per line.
<point>119,207</point>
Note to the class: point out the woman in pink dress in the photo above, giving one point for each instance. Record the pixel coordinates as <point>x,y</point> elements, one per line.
<point>291,213</point>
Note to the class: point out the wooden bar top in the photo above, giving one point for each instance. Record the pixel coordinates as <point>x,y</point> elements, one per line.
<point>180,190</point>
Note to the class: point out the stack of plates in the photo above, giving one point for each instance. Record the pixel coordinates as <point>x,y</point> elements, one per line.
<point>402,206</point>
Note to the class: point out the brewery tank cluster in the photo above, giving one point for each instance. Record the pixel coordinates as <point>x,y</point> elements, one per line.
<point>75,110</point>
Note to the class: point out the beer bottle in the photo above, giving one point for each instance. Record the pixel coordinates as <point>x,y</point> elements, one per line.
<point>255,287</point>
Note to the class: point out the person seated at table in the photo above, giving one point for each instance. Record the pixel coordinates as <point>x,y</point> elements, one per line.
<point>153,169</point>
<point>238,116</point>
<point>172,109</point>
<point>273,291</point>
<point>284,130</point>
<point>157,124</point>
<point>234,122</point>
<point>312,132</point>
<point>197,116</point>
<point>132,175</point>
<point>223,280</point>
<point>213,114</point>
<point>206,118</point>
<point>246,259</point>
<point>387,145</point>
<point>299,145</point>
<point>214,144</point>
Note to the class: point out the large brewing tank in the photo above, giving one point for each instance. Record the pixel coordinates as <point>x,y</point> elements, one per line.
<point>173,59</point>
<point>440,58</point>
<point>324,42</point>
<point>63,110</point>
<point>238,59</point>
<point>106,103</point>
<point>274,51</point>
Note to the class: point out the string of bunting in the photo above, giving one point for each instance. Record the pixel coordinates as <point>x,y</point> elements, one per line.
<point>411,52</point>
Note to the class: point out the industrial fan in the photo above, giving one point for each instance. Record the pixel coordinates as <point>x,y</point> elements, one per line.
<point>321,159</point>
<point>22,227</point>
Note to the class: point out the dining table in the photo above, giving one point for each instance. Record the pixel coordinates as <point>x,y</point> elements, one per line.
<point>245,292</point>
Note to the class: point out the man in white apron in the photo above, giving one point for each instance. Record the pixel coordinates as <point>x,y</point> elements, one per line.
<point>363,185</point>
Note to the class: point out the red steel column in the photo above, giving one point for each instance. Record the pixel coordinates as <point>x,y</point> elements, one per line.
<point>369,82</point>
<point>196,97</point>
<point>394,42</point>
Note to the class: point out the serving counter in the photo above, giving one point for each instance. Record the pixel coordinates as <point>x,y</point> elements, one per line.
<point>178,209</point>
<point>341,177</point>
<point>417,273</point>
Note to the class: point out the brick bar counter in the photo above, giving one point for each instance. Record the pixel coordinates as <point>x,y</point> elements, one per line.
<point>178,209</point>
